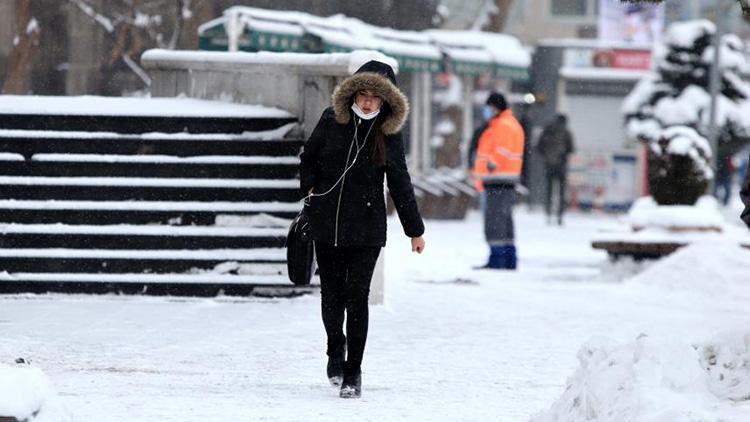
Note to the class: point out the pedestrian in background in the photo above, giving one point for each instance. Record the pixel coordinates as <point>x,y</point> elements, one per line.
<point>724,175</point>
<point>745,196</point>
<point>497,169</point>
<point>555,145</point>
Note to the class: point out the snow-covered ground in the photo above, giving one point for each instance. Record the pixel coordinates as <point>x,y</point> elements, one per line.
<point>450,344</point>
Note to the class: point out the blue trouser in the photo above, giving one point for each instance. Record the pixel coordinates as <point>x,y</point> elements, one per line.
<point>498,224</point>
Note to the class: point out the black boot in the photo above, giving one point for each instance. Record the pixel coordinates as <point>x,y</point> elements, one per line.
<point>351,387</point>
<point>335,370</point>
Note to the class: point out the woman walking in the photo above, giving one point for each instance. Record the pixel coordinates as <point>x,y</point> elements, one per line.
<point>356,142</point>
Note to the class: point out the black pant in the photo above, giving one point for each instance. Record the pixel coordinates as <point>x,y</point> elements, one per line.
<point>556,177</point>
<point>345,275</point>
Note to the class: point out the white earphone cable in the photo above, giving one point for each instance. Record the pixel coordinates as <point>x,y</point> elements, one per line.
<point>348,167</point>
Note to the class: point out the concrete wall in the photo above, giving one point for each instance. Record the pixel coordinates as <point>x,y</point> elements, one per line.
<point>533,21</point>
<point>303,88</point>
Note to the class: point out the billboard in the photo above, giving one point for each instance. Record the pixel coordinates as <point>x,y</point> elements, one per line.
<point>603,180</point>
<point>632,23</point>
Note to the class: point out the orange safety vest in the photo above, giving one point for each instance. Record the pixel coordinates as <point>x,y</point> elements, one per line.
<point>502,145</point>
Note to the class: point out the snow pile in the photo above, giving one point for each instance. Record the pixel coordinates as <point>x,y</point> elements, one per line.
<point>26,394</point>
<point>727,360</point>
<point>689,270</point>
<point>650,380</point>
<point>646,213</point>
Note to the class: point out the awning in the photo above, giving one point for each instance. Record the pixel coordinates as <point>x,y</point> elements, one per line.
<point>468,52</point>
<point>476,52</point>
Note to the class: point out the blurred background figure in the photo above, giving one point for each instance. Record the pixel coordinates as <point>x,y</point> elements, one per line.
<point>555,145</point>
<point>725,169</point>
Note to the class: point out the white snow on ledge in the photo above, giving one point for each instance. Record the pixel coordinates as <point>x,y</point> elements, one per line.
<point>128,106</point>
<point>645,212</point>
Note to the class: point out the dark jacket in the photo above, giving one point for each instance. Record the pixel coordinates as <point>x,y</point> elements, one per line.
<point>555,144</point>
<point>354,212</point>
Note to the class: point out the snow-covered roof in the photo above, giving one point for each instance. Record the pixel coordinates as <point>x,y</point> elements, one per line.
<point>338,30</point>
<point>416,51</point>
<point>501,48</point>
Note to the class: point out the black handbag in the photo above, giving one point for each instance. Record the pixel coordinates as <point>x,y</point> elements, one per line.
<point>300,251</point>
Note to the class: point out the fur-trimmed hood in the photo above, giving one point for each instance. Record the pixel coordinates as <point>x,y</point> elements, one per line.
<point>377,77</point>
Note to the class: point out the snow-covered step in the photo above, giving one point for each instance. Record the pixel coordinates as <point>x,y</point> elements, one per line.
<point>114,261</point>
<point>148,189</point>
<point>141,230</point>
<point>137,115</point>
<point>200,278</point>
<point>258,254</point>
<point>181,206</point>
<point>144,196</point>
<point>138,237</point>
<point>30,142</point>
<point>158,159</point>
<point>158,166</point>
<point>266,135</point>
<point>137,212</point>
<point>152,284</point>
<point>151,182</point>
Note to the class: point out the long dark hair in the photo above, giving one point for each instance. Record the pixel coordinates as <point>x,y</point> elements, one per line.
<point>377,151</point>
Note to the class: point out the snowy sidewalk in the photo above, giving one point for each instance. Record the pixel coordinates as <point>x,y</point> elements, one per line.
<point>450,344</point>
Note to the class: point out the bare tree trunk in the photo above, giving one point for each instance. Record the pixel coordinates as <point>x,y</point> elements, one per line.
<point>201,11</point>
<point>498,20</point>
<point>25,45</point>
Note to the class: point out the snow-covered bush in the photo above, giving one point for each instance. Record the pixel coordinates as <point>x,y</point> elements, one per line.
<point>670,109</point>
<point>680,154</point>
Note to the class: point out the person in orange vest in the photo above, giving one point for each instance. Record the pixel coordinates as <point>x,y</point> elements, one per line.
<point>497,169</point>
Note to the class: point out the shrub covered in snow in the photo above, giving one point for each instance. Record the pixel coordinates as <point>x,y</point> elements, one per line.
<point>670,109</point>
<point>26,394</point>
<point>652,380</point>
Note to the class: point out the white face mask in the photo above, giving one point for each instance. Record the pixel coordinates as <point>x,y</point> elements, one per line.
<point>367,116</point>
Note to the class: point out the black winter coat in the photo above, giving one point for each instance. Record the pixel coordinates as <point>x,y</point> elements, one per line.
<point>354,212</point>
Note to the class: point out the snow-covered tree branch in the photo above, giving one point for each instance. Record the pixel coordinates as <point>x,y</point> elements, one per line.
<point>670,108</point>
<point>134,25</point>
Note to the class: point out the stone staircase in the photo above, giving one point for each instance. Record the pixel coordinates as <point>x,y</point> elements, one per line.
<point>97,203</point>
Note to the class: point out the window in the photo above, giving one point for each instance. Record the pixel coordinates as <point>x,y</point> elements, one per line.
<point>569,7</point>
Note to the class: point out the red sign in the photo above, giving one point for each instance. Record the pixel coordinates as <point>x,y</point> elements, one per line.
<point>631,59</point>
